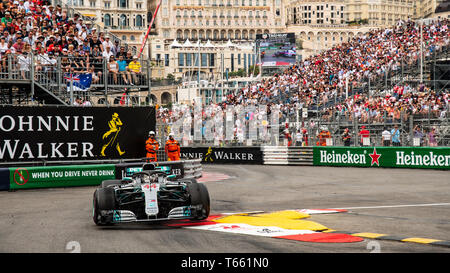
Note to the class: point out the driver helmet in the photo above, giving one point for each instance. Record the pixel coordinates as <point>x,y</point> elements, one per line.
<point>151,133</point>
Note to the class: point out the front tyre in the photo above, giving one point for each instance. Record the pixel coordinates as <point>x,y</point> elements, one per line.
<point>200,198</point>
<point>112,182</point>
<point>104,200</point>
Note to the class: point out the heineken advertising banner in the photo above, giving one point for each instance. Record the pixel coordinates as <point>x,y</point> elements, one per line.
<point>389,157</point>
<point>73,133</point>
<point>222,155</point>
<point>59,176</point>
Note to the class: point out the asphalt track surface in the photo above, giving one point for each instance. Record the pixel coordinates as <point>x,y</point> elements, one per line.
<point>401,202</point>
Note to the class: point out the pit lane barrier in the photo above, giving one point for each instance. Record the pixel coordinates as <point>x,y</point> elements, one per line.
<point>29,176</point>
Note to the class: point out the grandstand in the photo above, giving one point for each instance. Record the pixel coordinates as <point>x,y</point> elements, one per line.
<point>385,69</point>
<point>52,55</point>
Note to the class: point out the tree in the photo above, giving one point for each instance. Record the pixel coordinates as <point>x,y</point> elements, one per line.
<point>253,70</point>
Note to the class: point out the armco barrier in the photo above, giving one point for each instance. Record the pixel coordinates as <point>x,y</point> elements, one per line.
<point>59,176</point>
<point>4,179</point>
<point>388,157</point>
<point>28,177</point>
<point>224,155</point>
<point>275,155</point>
<point>193,168</point>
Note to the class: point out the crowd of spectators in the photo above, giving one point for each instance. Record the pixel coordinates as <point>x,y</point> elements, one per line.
<point>35,27</point>
<point>405,102</point>
<point>320,78</point>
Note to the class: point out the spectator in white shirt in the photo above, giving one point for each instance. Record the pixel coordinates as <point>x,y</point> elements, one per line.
<point>107,53</point>
<point>386,137</point>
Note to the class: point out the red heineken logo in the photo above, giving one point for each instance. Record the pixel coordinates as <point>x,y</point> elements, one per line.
<point>375,157</point>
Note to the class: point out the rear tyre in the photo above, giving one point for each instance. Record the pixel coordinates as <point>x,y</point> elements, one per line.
<point>104,199</point>
<point>200,197</point>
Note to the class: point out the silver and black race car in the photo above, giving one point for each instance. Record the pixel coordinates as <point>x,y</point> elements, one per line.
<point>151,195</point>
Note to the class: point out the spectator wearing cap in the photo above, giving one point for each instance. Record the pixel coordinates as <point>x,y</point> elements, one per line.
<point>26,5</point>
<point>395,136</point>
<point>7,19</point>
<point>6,35</point>
<point>18,45</point>
<point>107,53</point>
<point>129,57</point>
<point>86,47</point>
<point>364,133</point>
<point>96,42</point>
<point>115,47</point>
<point>24,63</point>
<point>107,42</point>
<point>79,24</point>
<point>50,41</point>
<point>135,69</point>
<point>29,23</point>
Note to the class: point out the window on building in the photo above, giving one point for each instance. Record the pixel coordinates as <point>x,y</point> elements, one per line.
<point>204,59</point>
<point>188,59</point>
<point>166,59</point>
<point>166,34</point>
<point>107,20</point>
<point>139,21</point>
<point>122,3</point>
<point>123,20</point>
<point>180,59</point>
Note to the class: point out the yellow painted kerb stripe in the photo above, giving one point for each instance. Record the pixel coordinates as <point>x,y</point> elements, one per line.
<point>420,240</point>
<point>368,235</point>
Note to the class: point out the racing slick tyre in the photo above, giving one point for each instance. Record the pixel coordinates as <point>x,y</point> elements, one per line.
<point>104,199</point>
<point>200,197</point>
<point>112,182</point>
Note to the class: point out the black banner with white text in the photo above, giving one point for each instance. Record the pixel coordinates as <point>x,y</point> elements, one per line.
<point>73,133</point>
<point>222,155</point>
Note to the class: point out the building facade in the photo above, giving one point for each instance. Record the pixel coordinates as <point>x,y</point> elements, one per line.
<point>219,19</point>
<point>126,19</point>
<point>204,61</point>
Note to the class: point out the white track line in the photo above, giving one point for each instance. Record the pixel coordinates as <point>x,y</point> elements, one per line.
<point>399,206</point>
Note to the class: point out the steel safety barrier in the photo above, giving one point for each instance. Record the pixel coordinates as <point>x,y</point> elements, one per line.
<point>279,155</point>
<point>78,173</point>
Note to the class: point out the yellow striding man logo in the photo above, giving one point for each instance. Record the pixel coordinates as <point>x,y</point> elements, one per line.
<point>209,155</point>
<point>110,137</point>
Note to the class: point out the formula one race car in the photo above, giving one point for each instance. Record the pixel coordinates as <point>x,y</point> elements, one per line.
<point>150,196</point>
